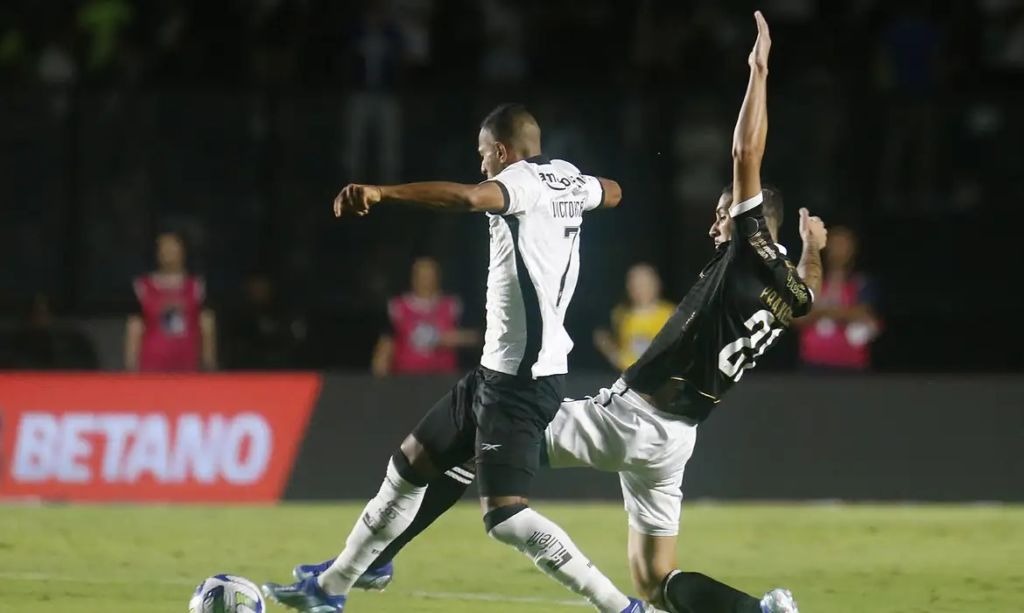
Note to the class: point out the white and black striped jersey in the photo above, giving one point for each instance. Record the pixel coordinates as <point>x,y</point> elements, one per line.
<point>535,244</point>
<point>745,298</point>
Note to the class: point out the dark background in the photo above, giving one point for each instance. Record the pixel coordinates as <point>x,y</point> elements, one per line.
<point>227,120</point>
<point>780,437</point>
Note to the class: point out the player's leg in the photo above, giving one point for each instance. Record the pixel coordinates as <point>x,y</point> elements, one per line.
<point>511,418</point>
<point>652,563</point>
<point>652,494</point>
<point>590,432</point>
<point>442,439</point>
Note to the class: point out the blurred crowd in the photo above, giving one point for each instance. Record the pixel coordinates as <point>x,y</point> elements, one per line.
<point>228,127</point>
<point>390,44</point>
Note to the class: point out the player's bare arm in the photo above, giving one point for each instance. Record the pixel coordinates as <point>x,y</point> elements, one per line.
<point>814,236</point>
<point>752,126</point>
<point>612,193</point>
<point>356,199</point>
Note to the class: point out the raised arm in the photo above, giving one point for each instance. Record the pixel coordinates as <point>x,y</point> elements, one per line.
<point>357,199</point>
<point>814,236</point>
<point>748,139</point>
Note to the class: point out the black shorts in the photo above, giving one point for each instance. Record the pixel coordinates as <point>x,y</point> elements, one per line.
<point>500,420</point>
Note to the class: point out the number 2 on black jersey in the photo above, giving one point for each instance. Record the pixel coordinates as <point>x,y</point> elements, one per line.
<point>574,232</point>
<point>740,354</point>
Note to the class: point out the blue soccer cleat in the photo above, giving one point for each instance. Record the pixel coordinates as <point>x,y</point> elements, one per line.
<point>638,606</point>
<point>305,596</point>
<point>373,579</point>
<point>778,601</point>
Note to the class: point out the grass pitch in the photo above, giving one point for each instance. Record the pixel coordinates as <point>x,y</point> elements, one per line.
<point>836,559</point>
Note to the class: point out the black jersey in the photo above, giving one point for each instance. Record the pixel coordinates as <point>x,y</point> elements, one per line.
<point>745,298</point>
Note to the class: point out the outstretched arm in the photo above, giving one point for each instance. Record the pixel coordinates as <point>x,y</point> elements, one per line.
<point>357,199</point>
<point>748,139</point>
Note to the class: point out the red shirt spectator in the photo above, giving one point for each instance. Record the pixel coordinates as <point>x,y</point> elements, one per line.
<point>172,332</point>
<point>837,334</point>
<point>424,334</point>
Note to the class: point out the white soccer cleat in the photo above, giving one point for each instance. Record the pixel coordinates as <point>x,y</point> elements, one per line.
<point>778,601</point>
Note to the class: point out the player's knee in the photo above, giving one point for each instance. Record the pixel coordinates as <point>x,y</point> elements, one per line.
<point>495,522</point>
<point>412,462</point>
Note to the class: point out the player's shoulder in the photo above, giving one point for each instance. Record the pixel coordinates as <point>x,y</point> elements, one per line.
<point>565,166</point>
<point>517,171</point>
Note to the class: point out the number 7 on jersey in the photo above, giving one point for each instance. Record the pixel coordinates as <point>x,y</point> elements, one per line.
<point>572,232</point>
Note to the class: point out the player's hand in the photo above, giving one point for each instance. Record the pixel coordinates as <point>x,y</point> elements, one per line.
<point>356,199</point>
<point>812,230</point>
<point>759,55</point>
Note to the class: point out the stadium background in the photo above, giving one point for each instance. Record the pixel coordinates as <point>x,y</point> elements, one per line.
<point>228,121</point>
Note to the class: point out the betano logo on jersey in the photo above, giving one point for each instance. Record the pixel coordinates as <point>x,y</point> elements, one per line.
<point>190,438</point>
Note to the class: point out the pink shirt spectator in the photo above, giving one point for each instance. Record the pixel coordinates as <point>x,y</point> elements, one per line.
<point>838,344</point>
<point>418,325</point>
<point>170,310</point>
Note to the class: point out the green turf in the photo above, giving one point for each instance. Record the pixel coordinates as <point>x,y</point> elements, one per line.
<point>837,559</point>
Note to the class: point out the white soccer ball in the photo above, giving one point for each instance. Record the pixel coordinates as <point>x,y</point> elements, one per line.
<point>227,594</point>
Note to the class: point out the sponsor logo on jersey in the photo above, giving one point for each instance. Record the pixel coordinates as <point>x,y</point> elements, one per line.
<point>561,182</point>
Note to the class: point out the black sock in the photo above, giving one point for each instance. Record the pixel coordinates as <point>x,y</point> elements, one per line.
<point>442,493</point>
<point>697,593</point>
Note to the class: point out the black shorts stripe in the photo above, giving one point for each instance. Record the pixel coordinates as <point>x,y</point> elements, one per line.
<point>531,304</point>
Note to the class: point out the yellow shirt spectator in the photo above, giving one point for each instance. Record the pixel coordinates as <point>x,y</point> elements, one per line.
<point>636,322</point>
<point>636,327</point>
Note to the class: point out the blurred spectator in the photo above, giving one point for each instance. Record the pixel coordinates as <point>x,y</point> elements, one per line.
<point>424,335</point>
<point>172,331</point>
<point>637,322</point>
<point>103,22</point>
<point>262,335</point>
<point>504,60</point>
<point>910,73</point>
<point>376,51</point>
<point>837,334</point>
<point>42,343</point>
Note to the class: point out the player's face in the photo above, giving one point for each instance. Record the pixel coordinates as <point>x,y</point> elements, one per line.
<point>492,154</point>
<point>170,253</point>
<point>721,230</point>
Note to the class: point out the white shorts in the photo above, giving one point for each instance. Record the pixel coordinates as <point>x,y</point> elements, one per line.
<point>618,431</point>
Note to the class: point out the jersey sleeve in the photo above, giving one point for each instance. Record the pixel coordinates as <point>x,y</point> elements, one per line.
<point>519,188</point>
<point>750,232</point>
<point>594,192</point>
<point>587,186</point>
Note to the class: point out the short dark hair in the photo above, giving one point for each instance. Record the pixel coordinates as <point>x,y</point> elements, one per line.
<point>773,204</point>
<point>507,122</point>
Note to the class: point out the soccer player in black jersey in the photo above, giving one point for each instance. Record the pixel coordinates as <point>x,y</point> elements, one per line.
<point>644,427</point>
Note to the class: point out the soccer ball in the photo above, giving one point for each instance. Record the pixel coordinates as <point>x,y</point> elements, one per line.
<point>227,594</point>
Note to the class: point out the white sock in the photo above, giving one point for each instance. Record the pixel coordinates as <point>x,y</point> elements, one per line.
<point>382,521</point>
<point>558,557</point>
